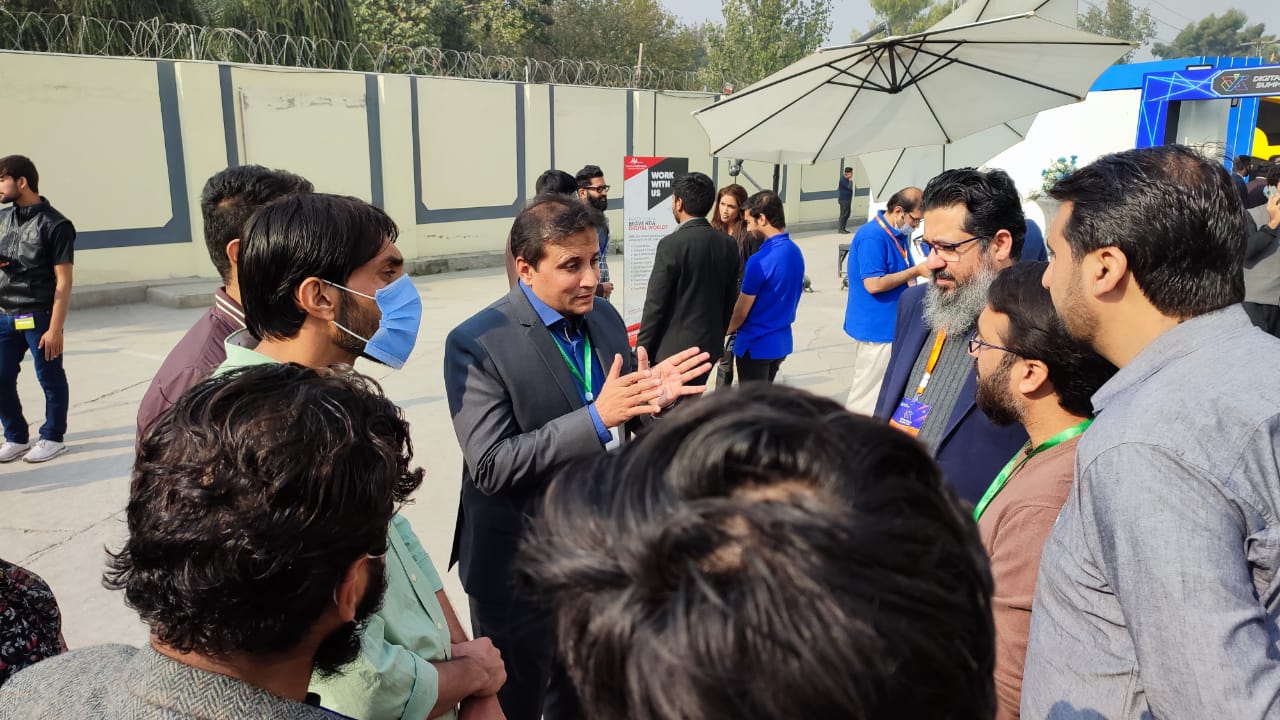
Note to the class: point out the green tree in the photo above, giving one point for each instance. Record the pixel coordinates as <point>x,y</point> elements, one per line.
<point>760,37</point>
<point>907,16</point>
<point>611,31</point>
<point>1227,35</point>
<point>507,27</point>
<point>180,11</point>
<point>412,23</point>
<point>1120,20</point>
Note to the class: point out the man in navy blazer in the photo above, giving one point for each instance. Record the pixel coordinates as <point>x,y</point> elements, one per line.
<point>974,228</point>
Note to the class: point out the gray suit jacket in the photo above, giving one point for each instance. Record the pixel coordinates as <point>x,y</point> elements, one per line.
<point>519,418</point>
<point>107,682</point>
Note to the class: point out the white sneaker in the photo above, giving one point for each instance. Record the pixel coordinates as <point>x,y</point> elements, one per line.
<point>11,451</point>
<point>44,450</point>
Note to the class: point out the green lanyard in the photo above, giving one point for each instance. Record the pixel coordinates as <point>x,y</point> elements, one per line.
<point>1017,461</point>
<point>573,366</point>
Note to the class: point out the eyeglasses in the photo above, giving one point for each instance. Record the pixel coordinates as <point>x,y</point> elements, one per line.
<point>976,343</point>
<point>948,251</point>
<point>602,189</point>
<point>915,219</point>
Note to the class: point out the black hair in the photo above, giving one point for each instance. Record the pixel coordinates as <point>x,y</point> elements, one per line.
<point>990,200</point>
<point>20,166</point>
<point>696,191</point>
<point>1176,217</point>
<point>251,497</point>
<point>1037,332</point>
<point>231,196</point>
<point>1273,173</point>
<point>298,237</point>
<point>548,220</point>
<point>587,174</point>
<point>848,169</point>
<point>765,553</point>
<point>555,181</point>
<point>766,203</point>
<point>1243,164</point>
<point>907,198</point>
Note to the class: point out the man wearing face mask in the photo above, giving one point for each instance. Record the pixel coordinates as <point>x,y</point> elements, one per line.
<point>879,271</point>
<point>322,283</point>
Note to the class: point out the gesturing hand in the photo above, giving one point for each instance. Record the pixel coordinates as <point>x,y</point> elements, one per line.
<point>674,372</point>
<point>623,397</point>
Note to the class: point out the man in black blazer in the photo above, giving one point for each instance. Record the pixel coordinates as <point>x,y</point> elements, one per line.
<point>694,282</point>
<point>540,378</point>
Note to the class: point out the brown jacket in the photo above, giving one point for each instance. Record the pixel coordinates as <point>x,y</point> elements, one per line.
<point>1014,528</point>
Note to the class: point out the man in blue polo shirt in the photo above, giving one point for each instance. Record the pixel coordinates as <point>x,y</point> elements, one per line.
<point>771,285</point>
<point>879,271</point>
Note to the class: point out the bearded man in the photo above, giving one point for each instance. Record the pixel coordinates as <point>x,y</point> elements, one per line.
<point>974,228</point>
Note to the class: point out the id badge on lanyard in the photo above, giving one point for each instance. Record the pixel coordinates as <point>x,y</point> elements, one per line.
<point>912,412</point>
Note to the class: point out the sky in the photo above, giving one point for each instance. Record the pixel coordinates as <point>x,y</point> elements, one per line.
<point>1171,15</point>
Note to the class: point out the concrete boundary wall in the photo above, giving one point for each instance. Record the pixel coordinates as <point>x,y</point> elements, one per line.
<point>124,147</point>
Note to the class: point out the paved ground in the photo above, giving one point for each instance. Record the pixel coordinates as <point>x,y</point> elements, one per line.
<point>59,518</point>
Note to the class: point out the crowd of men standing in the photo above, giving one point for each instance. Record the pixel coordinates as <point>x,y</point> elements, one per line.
<point>1050,500</point>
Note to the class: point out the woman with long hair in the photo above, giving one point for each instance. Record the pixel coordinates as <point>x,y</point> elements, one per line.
<point>728,218</point>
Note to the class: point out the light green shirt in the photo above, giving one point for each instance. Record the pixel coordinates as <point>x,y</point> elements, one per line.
<point>393,677</point>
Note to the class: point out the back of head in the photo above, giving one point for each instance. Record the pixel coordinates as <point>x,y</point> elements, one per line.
<point>300,236</point>
<point>549,219</point>
<point>1036,332</point>
<point>587,174</point>
<point>555,181</point>
<point>1273,172</point>
<point>766,203</point>
<point>251,498</point>
<point>1243,164</point>
<point>907,198</point>
<point>20,166</point>
<point>696,192</point>
<point>991,203</point>
<point>231,196</point>
<point>764,553</point>
<point>1176,217</point>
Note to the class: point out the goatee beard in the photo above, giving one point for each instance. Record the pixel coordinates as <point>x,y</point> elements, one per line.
<point>958,310</point>
<point>599,203</point>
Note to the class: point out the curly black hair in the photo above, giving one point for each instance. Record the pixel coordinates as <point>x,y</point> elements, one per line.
<point>251,497</point>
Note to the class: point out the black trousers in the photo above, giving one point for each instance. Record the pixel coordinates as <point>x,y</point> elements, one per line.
<point>537,685</point>
<point>845,206</point>
<point>750,370</point>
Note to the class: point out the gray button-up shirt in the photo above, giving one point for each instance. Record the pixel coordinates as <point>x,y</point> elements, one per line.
<point>1157,594</point>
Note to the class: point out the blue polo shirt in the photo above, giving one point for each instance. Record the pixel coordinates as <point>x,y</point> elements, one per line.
<point>775,276</point>
<point>873,253</point>
<point>570,336</point>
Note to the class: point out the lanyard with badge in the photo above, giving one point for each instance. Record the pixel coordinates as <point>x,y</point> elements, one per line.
<point>901,250</point>
<point>1017,461</point>
<point>911,412</point>
<point>584,379</point>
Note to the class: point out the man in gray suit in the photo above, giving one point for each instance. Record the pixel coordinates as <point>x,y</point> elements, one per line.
<point>541,377</point>
<point>251,567</point>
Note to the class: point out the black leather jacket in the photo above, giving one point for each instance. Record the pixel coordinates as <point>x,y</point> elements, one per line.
<point>32,240</point>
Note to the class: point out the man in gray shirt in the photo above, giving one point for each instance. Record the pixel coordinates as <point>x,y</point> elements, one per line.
<point>1158,594</point>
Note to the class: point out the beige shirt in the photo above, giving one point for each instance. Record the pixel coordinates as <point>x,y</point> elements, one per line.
<point>1014,528</point>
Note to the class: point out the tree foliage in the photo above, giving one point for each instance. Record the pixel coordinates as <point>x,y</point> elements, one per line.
<point>1227,35</point>
<point>1120,20</point>
<point>760,37</point>
<point>611,31</point>
<point>907,16</point>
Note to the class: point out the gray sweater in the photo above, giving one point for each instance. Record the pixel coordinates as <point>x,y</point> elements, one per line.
<point>119,681</point>
<point>1262,267</point>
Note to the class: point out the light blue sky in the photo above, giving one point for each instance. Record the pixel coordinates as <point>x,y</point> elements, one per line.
<point>1171,15</point>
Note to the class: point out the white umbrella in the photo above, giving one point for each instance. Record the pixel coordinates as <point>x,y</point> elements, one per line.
<point>887,171</point>
<point>928,88</point>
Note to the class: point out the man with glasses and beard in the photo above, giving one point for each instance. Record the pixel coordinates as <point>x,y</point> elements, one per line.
<point>1032,373</point>
<point>594,191</point>
<point>252,569</point>
<point>974,228</point>
<point>323,283</point>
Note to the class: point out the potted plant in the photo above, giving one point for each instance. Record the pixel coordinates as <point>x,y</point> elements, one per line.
<point>1049,177</point>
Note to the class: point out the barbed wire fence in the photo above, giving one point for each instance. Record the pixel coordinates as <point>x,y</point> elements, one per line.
<point>152,39</point>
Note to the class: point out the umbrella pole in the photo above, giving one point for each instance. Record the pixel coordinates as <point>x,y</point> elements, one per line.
<point>777,173</point>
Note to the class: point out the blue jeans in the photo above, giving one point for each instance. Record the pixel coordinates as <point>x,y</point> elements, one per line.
<point>14,344</point>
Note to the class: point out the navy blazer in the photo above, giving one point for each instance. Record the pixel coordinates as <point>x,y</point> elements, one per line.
<point>973,450</point>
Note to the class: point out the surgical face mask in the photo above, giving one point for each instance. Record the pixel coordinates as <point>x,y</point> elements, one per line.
<point>398,329</point>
